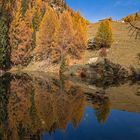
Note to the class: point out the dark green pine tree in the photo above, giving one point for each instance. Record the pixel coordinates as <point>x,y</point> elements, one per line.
<point>24,7</point>
<point>3,43</point>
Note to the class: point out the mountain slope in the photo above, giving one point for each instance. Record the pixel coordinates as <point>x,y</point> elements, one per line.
<point>124,49</point>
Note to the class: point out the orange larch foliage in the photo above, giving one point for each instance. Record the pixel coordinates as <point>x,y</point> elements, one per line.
<point>80,27</point>
<point>20,35</point>
<point>66,33</point>
<point>40,32</point>
<point>47,36</point>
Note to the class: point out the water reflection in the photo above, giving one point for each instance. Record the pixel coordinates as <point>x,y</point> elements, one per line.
<point>40,107</point>
<point>119,126</point>
<point>101,105</point>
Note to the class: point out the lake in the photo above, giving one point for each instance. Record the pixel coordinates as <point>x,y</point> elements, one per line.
<point>36,106</point>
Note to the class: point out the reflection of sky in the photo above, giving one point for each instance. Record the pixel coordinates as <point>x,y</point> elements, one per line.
<point>94,10</point>
<point>119,126</point>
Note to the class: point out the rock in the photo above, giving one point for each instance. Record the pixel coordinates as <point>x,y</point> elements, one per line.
<point>91,44</point>
<point>102,92</point>
<point>135,73</point>
<point>103,73</point>
<point>138,92</point>
<point>93,60</point>
<point>1,72</point>
<point>122,73</point>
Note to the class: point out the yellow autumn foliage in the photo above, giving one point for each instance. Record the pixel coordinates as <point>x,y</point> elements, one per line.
<point>129,18</point>
<point>103,38</point>
<point>66,32</point>
<point>20,35</point>
<point>47,36</point>
<point>42,32</point>
<point>80,27</point>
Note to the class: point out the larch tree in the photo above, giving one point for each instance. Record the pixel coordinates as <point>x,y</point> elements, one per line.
<point>66,39</point>
<point>66,34</point>
<point>36,19</point>
<point>80,27</point>
<point>20,35</point>
<point>38,9</point>
<point>103,37</point>
<point>47,37</point>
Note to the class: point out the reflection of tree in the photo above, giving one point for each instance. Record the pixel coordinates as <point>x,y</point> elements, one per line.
<point>102,111</point>
<point>19,107</point>
<point>4,94</point>
<point>59,108</point>
<point>33,113</point>
<point>62,81</point>
<point>101,105</point>
<point>35,105</point>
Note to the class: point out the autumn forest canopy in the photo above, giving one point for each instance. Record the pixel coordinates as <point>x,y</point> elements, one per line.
<point>37,30</point>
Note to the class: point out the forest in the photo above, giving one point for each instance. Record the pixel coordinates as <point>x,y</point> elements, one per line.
<point>38,30</point>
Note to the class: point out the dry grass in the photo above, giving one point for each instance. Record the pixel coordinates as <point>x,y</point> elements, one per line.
<point>37,67</point>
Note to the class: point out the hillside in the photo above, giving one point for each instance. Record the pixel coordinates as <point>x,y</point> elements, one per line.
<point>124,49</point>
<point>39,31</point>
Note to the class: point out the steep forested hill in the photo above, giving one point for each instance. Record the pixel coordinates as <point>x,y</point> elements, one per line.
<point>39,30</point>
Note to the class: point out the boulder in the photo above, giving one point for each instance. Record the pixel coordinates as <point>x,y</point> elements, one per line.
<point>102,73</point>
<point>91,44</point>
<point>93,60</point>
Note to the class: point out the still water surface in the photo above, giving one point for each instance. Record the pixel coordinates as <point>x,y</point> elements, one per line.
<point>38,107</point>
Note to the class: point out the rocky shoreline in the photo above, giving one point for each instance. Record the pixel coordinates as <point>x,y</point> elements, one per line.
<point>103,72</point>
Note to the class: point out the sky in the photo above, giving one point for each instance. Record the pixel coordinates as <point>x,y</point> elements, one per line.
<point>93,10</point>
